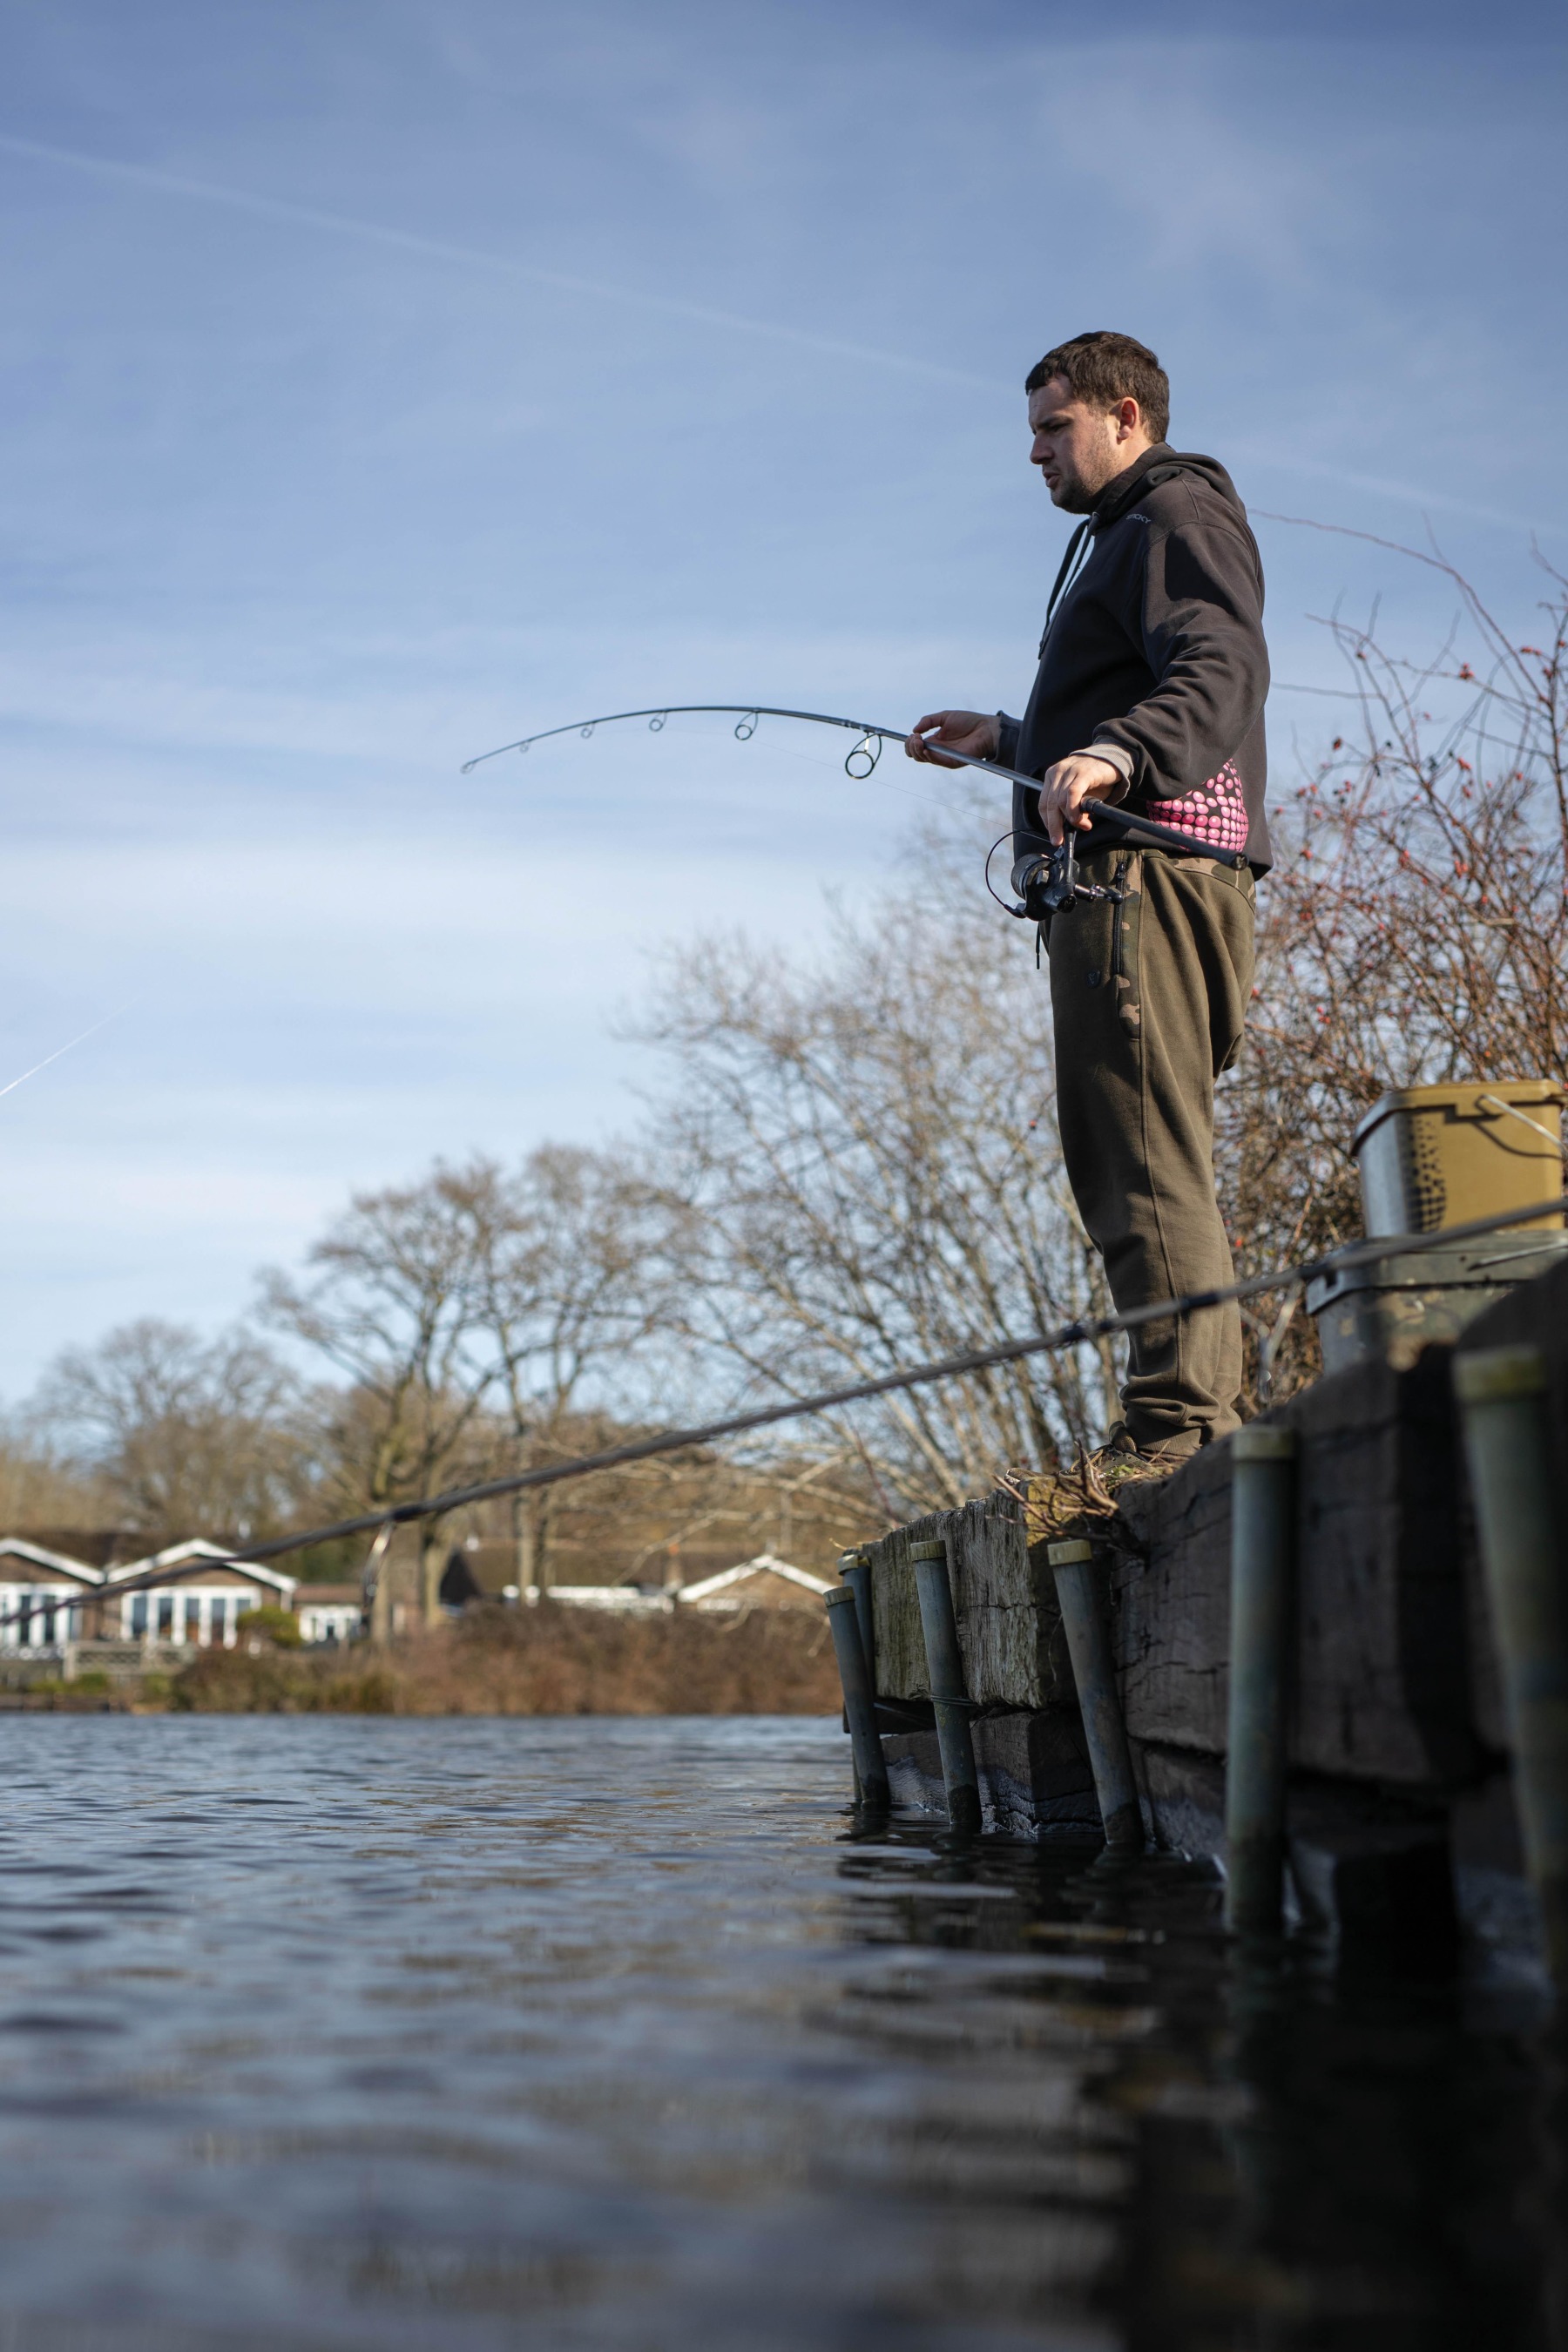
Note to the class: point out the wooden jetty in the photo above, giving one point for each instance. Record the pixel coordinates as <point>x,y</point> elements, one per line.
<point>1401,1822</point>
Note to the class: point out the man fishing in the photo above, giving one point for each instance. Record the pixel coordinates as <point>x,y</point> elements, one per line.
<point>1150,692</point>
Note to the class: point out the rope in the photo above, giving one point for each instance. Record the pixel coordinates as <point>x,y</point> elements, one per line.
<point>945,1368</point>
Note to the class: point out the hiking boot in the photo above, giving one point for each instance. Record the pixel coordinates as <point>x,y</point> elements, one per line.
<point>1120,1452</point>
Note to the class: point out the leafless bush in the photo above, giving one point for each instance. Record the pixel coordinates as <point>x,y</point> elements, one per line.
<point>1414,928</point>
<point>859,1167</point>
<point>544,1661</point>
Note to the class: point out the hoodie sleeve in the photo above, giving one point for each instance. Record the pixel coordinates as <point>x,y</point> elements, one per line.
<point>1202,624</point>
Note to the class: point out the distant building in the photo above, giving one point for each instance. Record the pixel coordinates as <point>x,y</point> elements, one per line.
<point>329,1612</point>
<point>481,1573</point>
<point>764,1582</point>
<point>44,1595</point>
<point>203,1606</point>
<point>50,1596</point>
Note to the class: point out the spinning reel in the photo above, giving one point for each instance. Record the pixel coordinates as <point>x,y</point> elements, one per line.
<point>1047,883</point>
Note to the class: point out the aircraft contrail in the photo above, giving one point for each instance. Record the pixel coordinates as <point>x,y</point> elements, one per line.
<point>282,208</point>
<point>65,1049</point>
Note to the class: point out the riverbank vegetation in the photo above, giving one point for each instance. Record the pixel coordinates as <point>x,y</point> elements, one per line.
<point>547,1660</point>
<point>850,1164</point>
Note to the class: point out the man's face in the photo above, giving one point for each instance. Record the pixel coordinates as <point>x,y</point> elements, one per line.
<point>1080,449</point>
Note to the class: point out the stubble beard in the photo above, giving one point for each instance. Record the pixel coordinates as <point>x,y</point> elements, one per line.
<point>1072,496</point>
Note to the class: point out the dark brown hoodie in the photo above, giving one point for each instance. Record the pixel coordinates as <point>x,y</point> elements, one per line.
<point>1154,656</point>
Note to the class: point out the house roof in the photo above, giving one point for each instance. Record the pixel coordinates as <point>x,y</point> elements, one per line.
<point>329,1596</point>
<point>36,1558</point>
<point>765,1564</point>
<point>98,1546</point>
<point>179,1555</point>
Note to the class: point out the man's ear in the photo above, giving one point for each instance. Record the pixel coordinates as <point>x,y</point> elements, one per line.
<point>1129,417</point>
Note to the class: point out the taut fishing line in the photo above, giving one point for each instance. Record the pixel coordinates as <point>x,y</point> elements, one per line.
<point>909,1376</point>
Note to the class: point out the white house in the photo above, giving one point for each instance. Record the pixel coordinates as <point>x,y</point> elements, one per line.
<point>766,1582</point>
<point>333,1614</point>
<point>42,1593</point>
<point>203,1606</point>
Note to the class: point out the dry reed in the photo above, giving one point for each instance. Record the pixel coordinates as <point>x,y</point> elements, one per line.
<point>547,1661</point>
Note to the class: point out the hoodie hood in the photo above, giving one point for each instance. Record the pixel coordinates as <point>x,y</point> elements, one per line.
<point>1162,464</point>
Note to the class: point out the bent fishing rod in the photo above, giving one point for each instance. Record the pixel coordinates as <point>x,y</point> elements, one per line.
<point>1048,881</point>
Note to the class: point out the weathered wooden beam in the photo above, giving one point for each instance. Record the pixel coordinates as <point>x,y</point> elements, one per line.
<point>1381,1690</point>
<point>1009,1624</point>
<point>1394,1681</point>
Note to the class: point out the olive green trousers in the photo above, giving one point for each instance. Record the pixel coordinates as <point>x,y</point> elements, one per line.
<point>1148,998</point>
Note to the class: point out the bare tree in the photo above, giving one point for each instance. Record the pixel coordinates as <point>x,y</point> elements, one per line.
<point>390,1305</point>
<point>859,1168</point>
<point>185,1432</point>
<point>1416,924</point>
<point>563,1295</point>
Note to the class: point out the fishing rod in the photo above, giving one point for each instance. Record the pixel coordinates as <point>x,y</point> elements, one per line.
<point>1048,881</point>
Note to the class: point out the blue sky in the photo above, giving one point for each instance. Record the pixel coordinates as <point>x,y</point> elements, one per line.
<point>384,379</point>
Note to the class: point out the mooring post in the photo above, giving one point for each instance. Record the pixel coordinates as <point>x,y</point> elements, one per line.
<point>1262,1607</point>
<point>855,1567</point>
<point>1502,1398</point>
<point>859,1706</point>
<point>949,1700</point>
<point>1089,1646</point>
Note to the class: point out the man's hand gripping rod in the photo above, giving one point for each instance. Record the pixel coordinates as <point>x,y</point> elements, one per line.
<point>1047,880</point>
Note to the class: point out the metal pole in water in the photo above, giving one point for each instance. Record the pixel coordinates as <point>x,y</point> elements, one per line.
<point>950,1701</point>
<point>1262,1601</point>
<point>1072,1565</point>
<point>860,1708</point>
<point>855,1567</point>
<point>1502,1398</point>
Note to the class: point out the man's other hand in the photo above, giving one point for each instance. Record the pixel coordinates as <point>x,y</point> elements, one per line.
<point>974,732</point>
<point>1065,787</point>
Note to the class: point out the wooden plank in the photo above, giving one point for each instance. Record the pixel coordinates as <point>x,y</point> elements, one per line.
<point>1169,1592</point>
<point>1382,1691</point>
<point>1395,1680</point>
<point>1009,1627</point>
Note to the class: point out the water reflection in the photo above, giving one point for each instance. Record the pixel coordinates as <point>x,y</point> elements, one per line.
<point>479,2033</point>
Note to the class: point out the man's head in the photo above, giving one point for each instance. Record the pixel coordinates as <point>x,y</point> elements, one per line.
<point>1096,403</point>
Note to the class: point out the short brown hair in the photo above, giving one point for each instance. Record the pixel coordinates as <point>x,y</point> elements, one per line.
<point>1104,369</point>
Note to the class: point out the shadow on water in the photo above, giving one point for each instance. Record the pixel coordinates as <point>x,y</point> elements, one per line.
<point>373,2035</point>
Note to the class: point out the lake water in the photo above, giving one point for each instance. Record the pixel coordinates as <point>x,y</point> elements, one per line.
<point>371,2033</point>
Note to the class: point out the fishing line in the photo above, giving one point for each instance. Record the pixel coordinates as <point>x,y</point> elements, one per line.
<point>675,1440</point>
